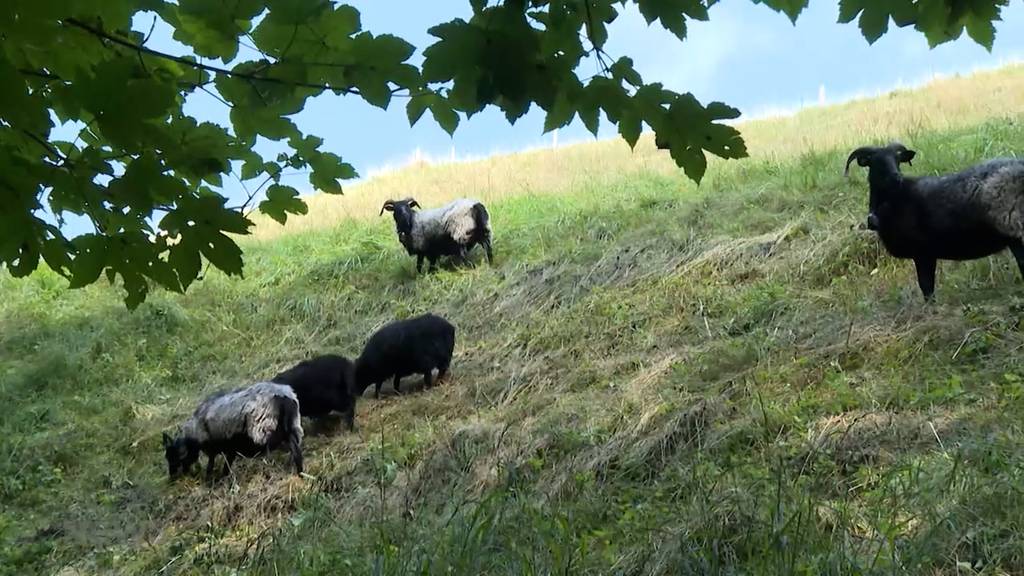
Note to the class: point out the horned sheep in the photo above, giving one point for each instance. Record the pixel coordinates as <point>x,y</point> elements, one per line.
<point>450,230</point>
<point>967,215</point>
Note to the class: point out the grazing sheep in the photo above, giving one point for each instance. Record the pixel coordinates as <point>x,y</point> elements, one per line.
<point>963,216</point>
<point>323,385</point>
<point>247,421</point>
<point>413,346</point>
<point>451,230</point>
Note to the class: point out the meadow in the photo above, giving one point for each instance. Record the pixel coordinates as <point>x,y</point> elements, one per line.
<point>652,378</point>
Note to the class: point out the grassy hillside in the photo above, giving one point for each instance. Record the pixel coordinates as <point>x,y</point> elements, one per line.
<point>654,378</point>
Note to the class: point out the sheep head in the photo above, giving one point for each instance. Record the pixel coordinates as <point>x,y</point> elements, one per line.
<point>403,212</point>
<point>866,155</point>
<point>181,453</point>
<point>885,177</point>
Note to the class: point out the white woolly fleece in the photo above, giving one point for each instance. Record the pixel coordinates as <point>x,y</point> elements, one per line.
<point>454,219</point>
<point>248,411</point>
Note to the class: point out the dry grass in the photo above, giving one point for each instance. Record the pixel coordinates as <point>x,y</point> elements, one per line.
<point>942,104</point>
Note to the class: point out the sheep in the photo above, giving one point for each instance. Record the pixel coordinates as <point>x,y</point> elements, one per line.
<point>323,385</point>
<point>963,216</point>
<point>247,421</point>
<point>413,346</point>
<point>451,230</point>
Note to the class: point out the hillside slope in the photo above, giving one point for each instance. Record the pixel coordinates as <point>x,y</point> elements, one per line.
<point>654,378</point>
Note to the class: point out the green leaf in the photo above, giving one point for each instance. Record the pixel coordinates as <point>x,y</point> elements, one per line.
<point>55,253</point>
<point>184,258</point>
<point>211,28</point>
<point>445,115</point>
<point>630,126</point>
<point>562,111</point>
<point>282,200</point>
<point>221,251</point>
<point>417,106</point>
<point>688,129</point>
<point>873,24</point>
<point>90,259</point>
<point>982,31</point>
<point>623,70</point>
<point>670,13</point>
<point>791,8</point>
<point>327,170</point>
<point>849,9</point>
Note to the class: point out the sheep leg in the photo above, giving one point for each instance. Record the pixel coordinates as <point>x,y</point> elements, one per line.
<point>426,379</point>
<point>433,264</point>
<point>487,246</point>
<point>210,459</point>
<point>350,418</point>
<point>397,384</point>
<point>442,371</point>
<point>1017,247</point>
<point>295,448</point>
<point>419,263</point>
<point>926,276</point>
<point>376,389</point>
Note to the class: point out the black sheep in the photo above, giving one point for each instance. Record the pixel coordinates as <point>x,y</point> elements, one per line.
<point>963,216</point>
<point>323,384</point>
<point>413,346</point>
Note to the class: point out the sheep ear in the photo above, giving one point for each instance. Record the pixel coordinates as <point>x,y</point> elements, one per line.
<point>413,203</point>
<point>908,156</point>
<point>389,206</point>
<point>167,440</point>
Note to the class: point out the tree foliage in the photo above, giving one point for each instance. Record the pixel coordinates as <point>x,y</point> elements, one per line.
<point>147,175</point>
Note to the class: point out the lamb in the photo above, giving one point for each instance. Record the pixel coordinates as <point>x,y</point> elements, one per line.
<point>963,216</point>
<point>413,346</point>
<point>247,421</point>
<point>323,385</point>
<point>451,230</point>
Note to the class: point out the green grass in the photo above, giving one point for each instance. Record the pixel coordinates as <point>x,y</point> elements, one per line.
<point>653,378</point>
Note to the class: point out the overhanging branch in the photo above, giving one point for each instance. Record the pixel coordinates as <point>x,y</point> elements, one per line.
<point>99,33</point>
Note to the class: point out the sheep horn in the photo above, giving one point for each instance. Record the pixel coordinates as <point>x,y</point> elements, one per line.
<point>413,203</point>
<point>389,206</point>
<point>856,154</point>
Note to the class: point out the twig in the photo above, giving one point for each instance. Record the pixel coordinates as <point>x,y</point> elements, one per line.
<point>199,65</point>
<point>152,26</point>
<point>936,433</point>
<point>968,337</point>
<point>168,565</point>
<point>48,147</point>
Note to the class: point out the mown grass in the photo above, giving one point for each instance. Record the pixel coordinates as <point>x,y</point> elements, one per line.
<point>652,379</point>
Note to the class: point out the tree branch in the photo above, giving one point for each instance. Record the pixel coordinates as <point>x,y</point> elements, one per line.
<point>198,65</point>
<point>62,159</point>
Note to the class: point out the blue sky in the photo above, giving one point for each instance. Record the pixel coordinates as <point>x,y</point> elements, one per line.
<point>746,55</point>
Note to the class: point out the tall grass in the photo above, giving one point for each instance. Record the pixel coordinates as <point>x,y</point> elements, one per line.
<point>653,378</point>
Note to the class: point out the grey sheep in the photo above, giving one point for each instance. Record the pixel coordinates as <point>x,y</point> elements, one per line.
<point>963,216</point>
<point>247,421</point>
<point>450,230</point>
